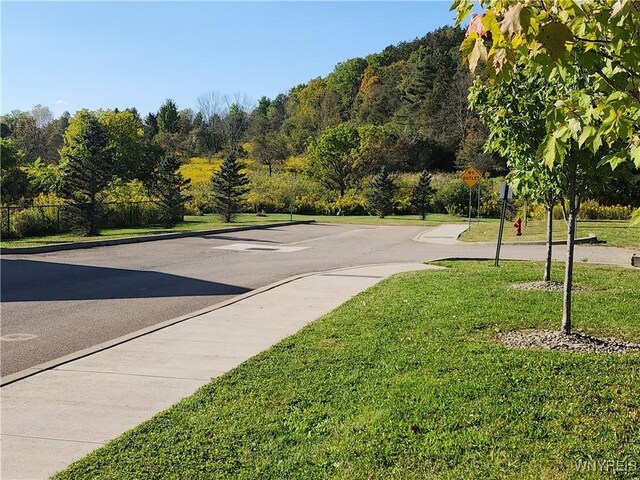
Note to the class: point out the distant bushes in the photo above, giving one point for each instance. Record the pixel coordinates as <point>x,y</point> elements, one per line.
<point>589,210</point>
<point>452,195</point>
<point>47,215</point>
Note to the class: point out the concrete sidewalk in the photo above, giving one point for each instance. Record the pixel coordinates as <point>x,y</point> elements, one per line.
<point>59,415</point>
<point>444,234</point>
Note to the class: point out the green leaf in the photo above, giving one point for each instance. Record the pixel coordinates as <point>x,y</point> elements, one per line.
<point>588,133</point>
<point>613,159</point>
<point>634,153</point>
<point>552,150</point>
<point>553,37</point>
<point>635,217</point>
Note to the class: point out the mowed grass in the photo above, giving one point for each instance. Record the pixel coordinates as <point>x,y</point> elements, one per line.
<point>192,223</point>
<point>339,399</point>
<point>612,232</point>
<point>195,223</point>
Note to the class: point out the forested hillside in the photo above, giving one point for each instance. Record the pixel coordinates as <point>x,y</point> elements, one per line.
<point>404,109</point>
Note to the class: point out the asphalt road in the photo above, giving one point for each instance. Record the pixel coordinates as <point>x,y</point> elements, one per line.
<point>59,303</point>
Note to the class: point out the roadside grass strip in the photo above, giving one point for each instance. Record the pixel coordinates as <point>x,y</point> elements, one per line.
<point>613,233</point>
<point>407,380</point>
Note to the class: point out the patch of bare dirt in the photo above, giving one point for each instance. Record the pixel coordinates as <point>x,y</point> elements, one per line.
<point>545,286</point>
<point>574,342</point>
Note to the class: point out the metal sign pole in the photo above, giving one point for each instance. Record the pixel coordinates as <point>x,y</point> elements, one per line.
<point>470,190</point>
<point>504,193</point>
<point>478,211</point>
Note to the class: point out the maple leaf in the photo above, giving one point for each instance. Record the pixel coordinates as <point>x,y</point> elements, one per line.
<point>478,52</point>
<point>511,21</point>
<point>476,25</point>
<point>499,57</point>
<point>554,37</point>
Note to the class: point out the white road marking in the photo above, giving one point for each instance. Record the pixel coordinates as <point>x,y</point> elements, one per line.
<point>17,337</point>
<point>259,247</point>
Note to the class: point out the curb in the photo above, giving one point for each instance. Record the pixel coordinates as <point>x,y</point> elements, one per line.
<point>141,239</point>
<point>56,362</point>
<point>592,238</point>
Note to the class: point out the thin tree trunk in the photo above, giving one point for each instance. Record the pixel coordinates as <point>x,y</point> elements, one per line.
<point>571,229</point>
<point>568,276</point>
<point>547,266</point>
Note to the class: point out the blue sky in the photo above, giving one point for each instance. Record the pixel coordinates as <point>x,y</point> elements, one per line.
<point>71,55</point>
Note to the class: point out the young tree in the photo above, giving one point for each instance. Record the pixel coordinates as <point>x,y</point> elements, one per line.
<point>89,168</point>
<point>168,187</point>
<point>594,46</point>
<point>381,197</point>
<point>422,193</point>
<point>229,186</point>
<point>270,149</point>
<point>510,110</point>
<point>332,157</point>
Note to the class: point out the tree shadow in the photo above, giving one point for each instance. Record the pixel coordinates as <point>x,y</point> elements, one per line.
<point>35,281</point>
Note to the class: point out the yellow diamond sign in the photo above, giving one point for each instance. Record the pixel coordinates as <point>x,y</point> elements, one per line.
<point>471,176</point>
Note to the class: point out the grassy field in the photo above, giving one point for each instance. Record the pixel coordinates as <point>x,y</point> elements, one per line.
<point>406,381</point>
<point>614,233</point>
<point>194,223</point>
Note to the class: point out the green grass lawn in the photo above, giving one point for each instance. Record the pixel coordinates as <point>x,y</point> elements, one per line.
<point>431,220</point>
<point>194,223</point>
<point>614,233</point>
<point>339,398</point>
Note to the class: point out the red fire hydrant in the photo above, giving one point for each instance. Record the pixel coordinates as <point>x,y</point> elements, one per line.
<point>518,226</point>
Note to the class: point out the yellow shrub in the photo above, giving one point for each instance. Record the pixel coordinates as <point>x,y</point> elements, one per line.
<point>199,169</point>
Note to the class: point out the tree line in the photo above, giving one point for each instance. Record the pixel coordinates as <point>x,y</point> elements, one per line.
<point>404,109</point>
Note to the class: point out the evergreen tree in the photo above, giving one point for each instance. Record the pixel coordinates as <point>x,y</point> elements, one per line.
<point>381,197</point>
<point>229,186</point>
<point>422,193</point>
<point>89,169</point>
<point>167,117</point>
<point>168,187</point>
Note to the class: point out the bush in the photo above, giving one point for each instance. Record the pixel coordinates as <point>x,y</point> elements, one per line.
<point>589,210</point>
<point>592,210</point>
<point>199,201</point>
<point>130,214</point>
<point>32,222</point>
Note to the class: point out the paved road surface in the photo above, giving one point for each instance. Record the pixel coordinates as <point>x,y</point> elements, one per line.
<point>67,301</point>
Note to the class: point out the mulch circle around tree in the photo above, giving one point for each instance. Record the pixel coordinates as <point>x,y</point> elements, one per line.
<point>574,342</point>
<point>545,286</point>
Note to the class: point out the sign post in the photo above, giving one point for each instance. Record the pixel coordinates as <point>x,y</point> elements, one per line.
<point>470,177</point>
<point>506,194</point>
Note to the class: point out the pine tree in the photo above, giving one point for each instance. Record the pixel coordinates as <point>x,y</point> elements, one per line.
<point>422,193</point>
<point>168,187</point>
<point>229,186</point>
<point>89,169</point>
<point>381,197</point>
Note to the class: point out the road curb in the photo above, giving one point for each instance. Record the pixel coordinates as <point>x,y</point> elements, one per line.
<point>51,364</point>
<point>141,239</point>
<point>578,241</point>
